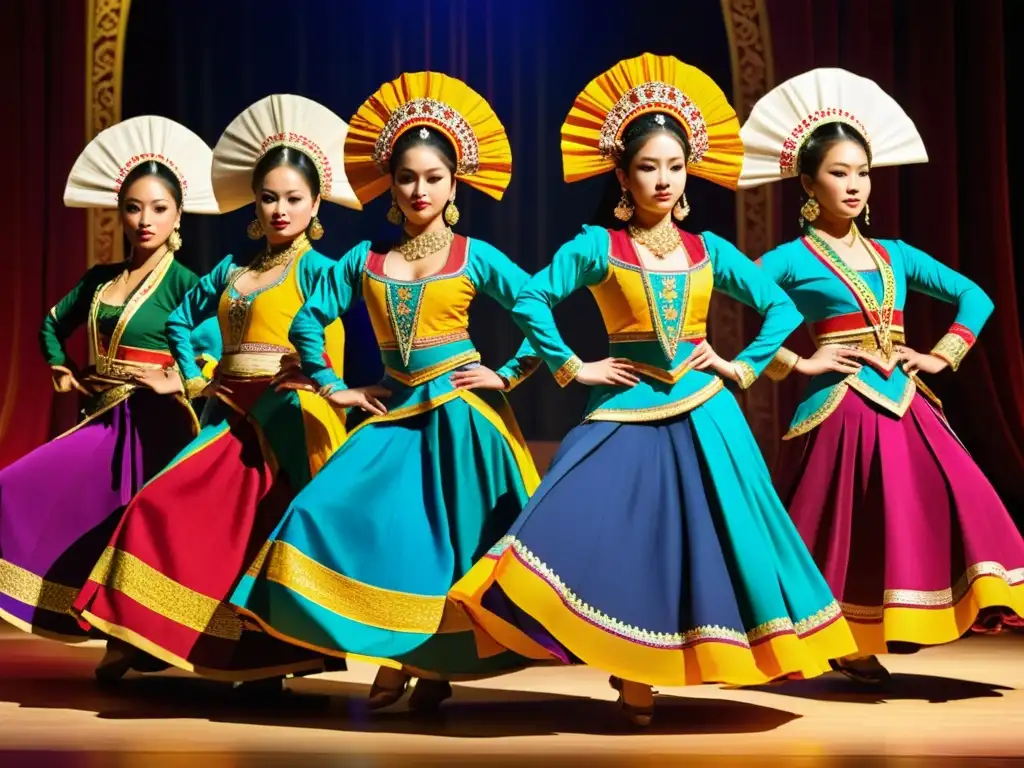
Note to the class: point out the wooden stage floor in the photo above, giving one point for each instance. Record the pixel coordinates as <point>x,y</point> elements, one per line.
<point>956,704</point>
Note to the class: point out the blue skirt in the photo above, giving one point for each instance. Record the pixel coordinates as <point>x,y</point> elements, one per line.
<point>661,553</point>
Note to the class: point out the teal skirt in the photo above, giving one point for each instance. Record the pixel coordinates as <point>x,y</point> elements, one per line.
<point>363,559</point>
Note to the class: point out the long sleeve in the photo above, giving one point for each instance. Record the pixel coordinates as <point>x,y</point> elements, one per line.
<point>209,345</point>
<point>931,277</point>
<point>67,315</point>
<point>579,263</point>
<point>332,295</point>
<point>496,275</point>
<point>738,277</point>
<point>198,305</point>
<point>776,265</point>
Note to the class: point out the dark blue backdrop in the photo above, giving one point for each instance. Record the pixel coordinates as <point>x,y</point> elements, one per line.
<point>202,63</point>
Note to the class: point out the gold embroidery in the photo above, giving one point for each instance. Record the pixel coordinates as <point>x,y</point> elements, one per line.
<point>782,364</point>
<point>663,640</point>
<point>149,284</point>
<point>880,315</point>
<point>257,346</point>
<point>951,348</point>
<point>658,412</point>
<point>660,374</point>
<point>414,378</point>
<point>897,408</point>
<point>924,390</point>
<point>194,387</point>
<point>427,342</point>
<point>107,399</point>
<point>863,337</point>
<point>127,574</point>
<point>30,589</point>
<point>627,336</point>
<point>939,598</point>
<point>358,601</point>
<point>251,365</point>
<point>835,397</point>
<point>524,368</point>
<point>124,369</point>
<point>747,374</point>
<point>567,373</point>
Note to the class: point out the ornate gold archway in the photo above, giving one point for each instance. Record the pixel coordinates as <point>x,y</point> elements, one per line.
<point>106,28</point>
<point>746,23</point>
<point>753,75</point>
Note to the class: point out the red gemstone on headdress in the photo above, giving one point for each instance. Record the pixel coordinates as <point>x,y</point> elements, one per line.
<point>634,97</point>
<point>649,93</point>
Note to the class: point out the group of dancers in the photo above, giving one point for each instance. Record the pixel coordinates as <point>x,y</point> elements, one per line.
<point>301,521</point>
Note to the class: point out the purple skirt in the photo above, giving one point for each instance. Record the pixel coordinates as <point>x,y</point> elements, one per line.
<point>60,504</point>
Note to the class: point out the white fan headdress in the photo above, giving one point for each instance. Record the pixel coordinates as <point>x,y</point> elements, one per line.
<point>281,120</point>
<point>784,118</point>
<point>98,173</point>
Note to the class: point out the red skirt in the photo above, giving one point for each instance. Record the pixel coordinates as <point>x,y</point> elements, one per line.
<point>188,536</point>
<point>909,534</point>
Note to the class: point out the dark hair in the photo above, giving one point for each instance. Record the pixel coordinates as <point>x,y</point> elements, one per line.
<point>821,140</point>
<point>634,138</point>
<point>418,136</point>
<point>151,168</point>
<point>293,158</point>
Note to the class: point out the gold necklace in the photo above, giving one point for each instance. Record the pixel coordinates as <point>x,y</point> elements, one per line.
<point>267,260</point>
<point>854,234</point>
<point>425,244</point>
<point>660,239</point>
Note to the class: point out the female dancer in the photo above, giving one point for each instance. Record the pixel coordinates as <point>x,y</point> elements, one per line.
<point>363,559</point>
<point>656,548</point>
<point>60,503</point>
<point>188,536</point>
<point>911,537</point>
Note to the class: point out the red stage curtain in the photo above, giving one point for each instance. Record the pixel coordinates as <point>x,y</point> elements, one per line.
<point>42,49</point>
<point>944,62</point>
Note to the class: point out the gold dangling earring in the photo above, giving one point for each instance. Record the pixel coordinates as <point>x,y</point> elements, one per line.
<point>451,213</point>
<point>624,210</point>
<point>867,215</point>
<point>254,230</point>
<point>174,241</point>
<point>681,209</point>
<point>316,229</point>
<point>809,211</point>
<point>395,213</point>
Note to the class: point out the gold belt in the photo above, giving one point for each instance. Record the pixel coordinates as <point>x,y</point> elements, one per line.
<point>251,365</point>
<point>863,339</point>
<point>123,370</point>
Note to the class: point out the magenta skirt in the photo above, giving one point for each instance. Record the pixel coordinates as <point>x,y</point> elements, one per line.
<point>909,534</point>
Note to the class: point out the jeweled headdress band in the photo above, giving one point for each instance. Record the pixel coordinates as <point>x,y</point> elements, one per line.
<point>654,97</point>
<point>435,114</point>
<point>790,154</point>
<point>307,147</point>
<point>136,160</point>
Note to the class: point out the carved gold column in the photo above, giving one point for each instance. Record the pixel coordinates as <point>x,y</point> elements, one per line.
<point>753,75</point>
<point>106,29</point>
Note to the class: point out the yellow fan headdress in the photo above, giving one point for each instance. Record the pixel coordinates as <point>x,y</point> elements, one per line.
<point>435,100</point>
<point>592,133</point>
